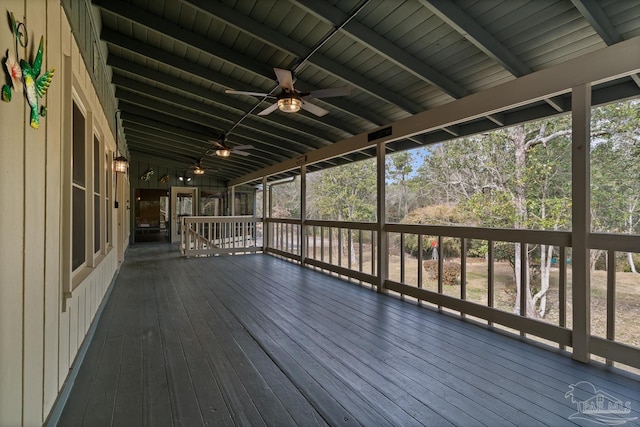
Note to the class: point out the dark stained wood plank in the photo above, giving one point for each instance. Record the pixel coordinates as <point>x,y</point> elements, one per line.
<point>184,403</point>
<point>206,376</point>
<point>99,407</point>
<point>128,406</point>
<point>381,369</point>
<point>255,340</point>
<point>352,385</point>
<point>548,399</point>
<point>268,389</point>
<point>157,409</point>
<point>79,396</point>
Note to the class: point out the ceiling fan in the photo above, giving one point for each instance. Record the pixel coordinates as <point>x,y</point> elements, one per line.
<point>224,150</point>
<point>291,100</point>
<point>198,169</point>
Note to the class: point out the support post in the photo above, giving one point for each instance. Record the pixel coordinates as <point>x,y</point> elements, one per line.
<point>382,238</point>
<point>303,214</point>
<point>270,210</point>
<point>265,206</point>
<point>232,200</point>
<point>581,220</point>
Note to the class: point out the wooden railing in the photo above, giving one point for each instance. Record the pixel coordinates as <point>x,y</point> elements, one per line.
<point>349,249</point>
<point>346,249</point>
<point>449,284</point>
<point>608,344</point>
<point>284,237</point>
<point>218,235</point>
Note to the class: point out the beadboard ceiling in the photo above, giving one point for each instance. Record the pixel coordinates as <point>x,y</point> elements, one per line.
<point>172,60</point>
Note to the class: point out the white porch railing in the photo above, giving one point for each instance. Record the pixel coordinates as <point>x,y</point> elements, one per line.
<point>348,249</point>
<point>218,235</point>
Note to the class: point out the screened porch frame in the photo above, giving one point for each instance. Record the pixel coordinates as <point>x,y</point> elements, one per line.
<point>576,76</point>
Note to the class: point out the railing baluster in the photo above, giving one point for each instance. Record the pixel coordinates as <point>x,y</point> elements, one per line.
<point>339,247</point>
<point>420,261</point>
<point>524,273</point>
<point>349,246</point>
<point>315,232</point>
<point>562,289</point>
<point>402,258</point>
<point>463,271</point>
<point>463,268</point>
<point>360,251</point>
<point>490,276</point>
<point>322,244</point>
<point>440,267</point>
<point>373,252</point>
<point>330,245</point>
<point>611,297</point>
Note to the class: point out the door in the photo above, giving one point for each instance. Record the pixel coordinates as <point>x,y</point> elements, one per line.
<point>184,202</point>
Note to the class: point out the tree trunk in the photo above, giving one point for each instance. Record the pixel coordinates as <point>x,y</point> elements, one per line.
<point>593,257</point>
<point>631,263</point>
<point>632,266</point>
<point>522,261</point>
<point>546,253</point>
<point>520,204</point>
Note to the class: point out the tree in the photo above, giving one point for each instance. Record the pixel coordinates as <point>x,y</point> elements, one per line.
<point>525,138</point>
<point>615,188</point>
<point>398,168</point>
<point>285,202</point>
<point>344,193</point>
<point>495,176</point>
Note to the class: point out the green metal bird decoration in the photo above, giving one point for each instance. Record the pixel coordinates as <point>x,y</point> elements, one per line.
<point>35,85</point>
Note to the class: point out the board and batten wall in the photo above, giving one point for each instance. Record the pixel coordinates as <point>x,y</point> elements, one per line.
<point>41,329</point>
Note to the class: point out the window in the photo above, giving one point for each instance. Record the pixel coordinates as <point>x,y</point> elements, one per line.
<point>78,257</point>
<point>211,203</point>
<point>97,241</point>
<point>107,196</point>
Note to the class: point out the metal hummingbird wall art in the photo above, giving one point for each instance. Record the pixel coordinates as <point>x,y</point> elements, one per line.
<point>147,175</point>
<point>25,74</point>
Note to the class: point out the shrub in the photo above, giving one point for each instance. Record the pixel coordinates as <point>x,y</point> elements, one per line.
<point>450,271</point>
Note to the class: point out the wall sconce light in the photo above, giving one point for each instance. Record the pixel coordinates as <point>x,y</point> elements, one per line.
<point>289,105</point>
<point>120,164</point>
<point>185,178</point>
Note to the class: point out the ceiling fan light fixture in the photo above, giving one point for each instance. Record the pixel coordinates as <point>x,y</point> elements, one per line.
<point>223,152</point>
<point>198,170</point>
<point>289,105</point>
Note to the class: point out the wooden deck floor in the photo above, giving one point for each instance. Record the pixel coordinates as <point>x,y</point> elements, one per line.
<point>254,340</point>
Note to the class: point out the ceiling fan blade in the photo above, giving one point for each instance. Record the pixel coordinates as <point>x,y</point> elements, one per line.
<point>269,109</point>
<point>240,153</point>
<point>330,92</point>
<point>216,143</point>
<point>314,109</point>
<point>242,147</point>
<point>242,92</point>
<point>285,79</point>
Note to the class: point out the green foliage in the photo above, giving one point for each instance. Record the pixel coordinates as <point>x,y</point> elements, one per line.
<point>491,208</point>
<point>343,193</point>
<point>615,187</point>
<point>622,262</point>
<point>398,168</point>
<point>435,215</point>
<point>285,201</point>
